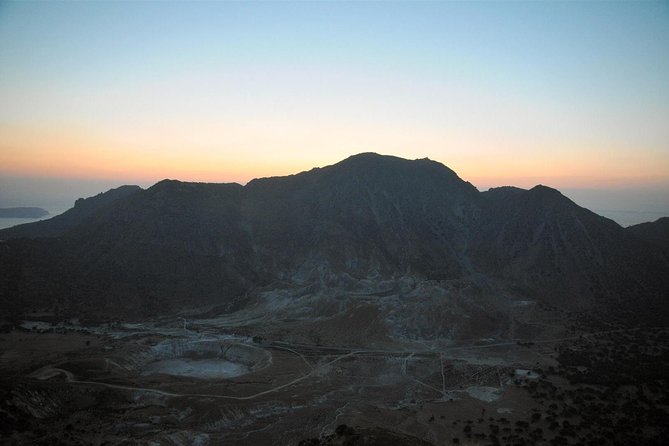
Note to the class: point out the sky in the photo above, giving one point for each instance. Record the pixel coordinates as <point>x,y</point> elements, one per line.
<point>574,95</point>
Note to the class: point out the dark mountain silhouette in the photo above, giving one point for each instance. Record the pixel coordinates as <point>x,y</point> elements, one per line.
<point>369,217</point>
<point>23,212</point>
<point>58,225</point>
<point>538,239</point>
<point>656,233</point>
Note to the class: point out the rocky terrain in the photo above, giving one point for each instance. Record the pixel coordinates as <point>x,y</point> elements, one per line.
<point>368,218</point>
<point>375,300</point>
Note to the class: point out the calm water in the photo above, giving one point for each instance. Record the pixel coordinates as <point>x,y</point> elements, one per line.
<point>9,222</point>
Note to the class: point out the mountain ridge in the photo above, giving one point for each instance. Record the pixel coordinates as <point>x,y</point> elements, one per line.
<point>368,218</point>
<point>60,224</point>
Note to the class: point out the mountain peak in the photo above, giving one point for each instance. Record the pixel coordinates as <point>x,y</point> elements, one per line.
<point>540,188</point>
<point>548,196</point>
<point>370,159</point>
<point>373,158</point>
<point>388,165</point>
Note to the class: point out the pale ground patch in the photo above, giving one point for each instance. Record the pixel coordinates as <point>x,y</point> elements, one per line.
<point>484,393</point>
<point>203,368</point>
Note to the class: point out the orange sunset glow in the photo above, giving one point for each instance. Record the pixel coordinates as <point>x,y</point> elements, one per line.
<point>110,96</point>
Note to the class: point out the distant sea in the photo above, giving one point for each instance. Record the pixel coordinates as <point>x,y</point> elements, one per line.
<point>626,207</point>
<point>9,222</point>
<point>629,218</point>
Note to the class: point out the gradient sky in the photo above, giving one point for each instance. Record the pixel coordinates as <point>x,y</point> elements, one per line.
<point>568,94</point>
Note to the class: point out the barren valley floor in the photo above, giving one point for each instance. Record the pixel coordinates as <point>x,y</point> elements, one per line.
<point>206,381</point>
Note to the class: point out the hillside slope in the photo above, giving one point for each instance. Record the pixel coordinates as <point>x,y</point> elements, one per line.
<point>368,218</point>
<point>60,224</point>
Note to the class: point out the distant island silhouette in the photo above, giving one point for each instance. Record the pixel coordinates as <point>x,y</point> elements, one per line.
<point>23,212</point>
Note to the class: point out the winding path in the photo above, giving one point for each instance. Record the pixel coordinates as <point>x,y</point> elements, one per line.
<point>51,371</point>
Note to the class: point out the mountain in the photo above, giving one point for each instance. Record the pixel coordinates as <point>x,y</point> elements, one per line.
<point>656,233</point>
<point>23,212</point>
<point>368,214</point>
<point>371,225</point>
<point>540,240</point>
<point>58,225</point>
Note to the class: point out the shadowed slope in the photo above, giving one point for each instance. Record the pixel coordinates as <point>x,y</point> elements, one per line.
<point>540,240</point>
<point>60,224</point>
<point>368,217</point>
<point>656,232</point>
